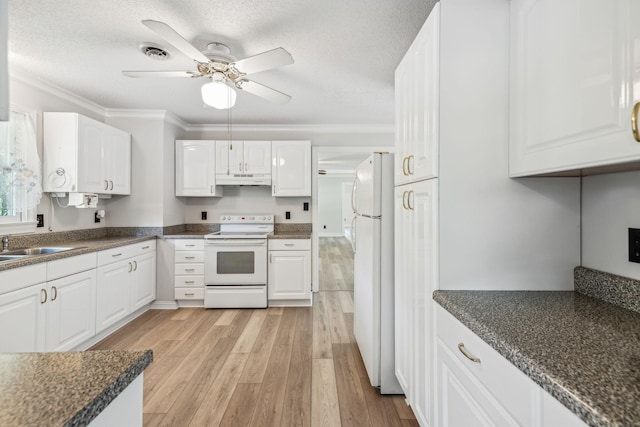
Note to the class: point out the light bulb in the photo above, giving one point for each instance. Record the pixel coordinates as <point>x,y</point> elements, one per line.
<point>218,95</point>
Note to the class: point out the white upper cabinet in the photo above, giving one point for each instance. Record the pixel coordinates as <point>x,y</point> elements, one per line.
<point>575,79</point>
<point>196,169</point>
<point>417,106</point>
<point>85,155</point>
<point>291,168</point>
<point>243,158</point>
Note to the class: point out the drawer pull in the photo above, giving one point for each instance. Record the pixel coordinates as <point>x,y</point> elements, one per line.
<point>189,281</point>
<point>190,246</point>
<point>189,294</point>
<point>189,257</point>
<point>288,244</point>
<point>116,255</point>
<point>467,355</point>
<point>146,247</point>
<point>189,269</point>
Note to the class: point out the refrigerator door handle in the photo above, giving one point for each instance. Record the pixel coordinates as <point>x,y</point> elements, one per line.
<point>353,233</point>
<point>354,189</point>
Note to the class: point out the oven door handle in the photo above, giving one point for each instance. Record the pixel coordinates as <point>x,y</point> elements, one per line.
<point>236,242</point>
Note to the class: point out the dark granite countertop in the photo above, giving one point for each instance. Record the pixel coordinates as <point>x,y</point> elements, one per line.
<point>64,389</point>
<point>81,247</point>
<point>583,351</point>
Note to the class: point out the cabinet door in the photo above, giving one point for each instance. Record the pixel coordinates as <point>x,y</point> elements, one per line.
<point>229,157</point>
<point>143,281</point>
<point>417,104</point>
<point>291,171</point>
<point>289,275</point>
<point>462,401</point>
<point>257,157</point>
<point>91,173</point>
<point>22,314</point>
<point>195,168</point>
<point>117,160</point>
<point>113,295</point>
<point>71,311</point>
<point>422,203</point>
<point>574,82</point>
<point>403,300</point>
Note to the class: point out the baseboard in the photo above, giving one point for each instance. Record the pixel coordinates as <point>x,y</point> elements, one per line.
<point>291,303</point>
<point>330,235</point>
<point>164,305</point>
<point>191,303</point>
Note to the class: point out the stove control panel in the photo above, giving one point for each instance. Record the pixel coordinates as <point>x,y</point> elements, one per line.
<point>247,219</point>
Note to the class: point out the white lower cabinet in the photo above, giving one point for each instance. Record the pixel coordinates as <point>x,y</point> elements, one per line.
<point>189,271</point>
<point>476,386</point>
<point>289,270</point>
<point>23,319</point>
<point>125,285</point>
<point>415,280</point>
<point>71,310</point>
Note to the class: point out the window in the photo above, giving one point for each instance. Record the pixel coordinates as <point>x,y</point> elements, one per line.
<point>20,173</point>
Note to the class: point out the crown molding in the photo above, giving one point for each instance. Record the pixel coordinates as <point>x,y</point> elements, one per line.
<point>165,115</point>
<point>308,128</point>
<point>52,89</point>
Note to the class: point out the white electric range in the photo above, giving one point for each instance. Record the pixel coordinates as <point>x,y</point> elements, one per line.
<point>235,262</point>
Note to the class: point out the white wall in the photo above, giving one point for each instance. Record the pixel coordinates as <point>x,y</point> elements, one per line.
<point>610,206</point>
<point>174,207</point>
<point>238,199</point>
<point>330,204</point>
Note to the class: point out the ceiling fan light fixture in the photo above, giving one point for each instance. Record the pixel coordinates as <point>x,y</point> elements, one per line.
<point>218,95</point>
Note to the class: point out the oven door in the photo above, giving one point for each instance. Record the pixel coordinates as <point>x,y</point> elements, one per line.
<point>235,262</point>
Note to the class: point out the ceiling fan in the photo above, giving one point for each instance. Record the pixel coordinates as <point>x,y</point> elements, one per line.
<point>224,71</point>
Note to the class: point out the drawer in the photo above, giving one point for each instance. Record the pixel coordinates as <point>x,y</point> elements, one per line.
<point>189,269</point>
<point>189,256</point>
<point>189,281</point>
<point>289,244</point>
<point>512,388</point>
<point>109,256</point>
<point>22,277</point>
<point>187,293</point>
<point>189,244</point>
<point>68,266</point>
<point>144,247</point>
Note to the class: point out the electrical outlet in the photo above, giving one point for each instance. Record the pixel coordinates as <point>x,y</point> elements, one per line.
<point>287,215</point>
<point>324,227</point>
<point>305,206</point>
<point>40,219</point>
<point>96,217</point>
<point>634,245</point>
<point>203,215</point>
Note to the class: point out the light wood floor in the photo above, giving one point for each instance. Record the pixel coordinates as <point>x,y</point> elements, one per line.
<point>264,367</point>
<point>336,264</point>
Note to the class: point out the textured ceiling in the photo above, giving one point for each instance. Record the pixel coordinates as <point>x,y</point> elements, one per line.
<point>345,53</point>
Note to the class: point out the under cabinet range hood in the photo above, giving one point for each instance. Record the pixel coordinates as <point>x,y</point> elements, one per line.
<point>243,179</point>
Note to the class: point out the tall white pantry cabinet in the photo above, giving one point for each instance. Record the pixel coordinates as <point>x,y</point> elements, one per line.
<point>461,222</point>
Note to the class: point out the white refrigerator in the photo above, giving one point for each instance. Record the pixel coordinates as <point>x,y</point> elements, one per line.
<point>373,320</point>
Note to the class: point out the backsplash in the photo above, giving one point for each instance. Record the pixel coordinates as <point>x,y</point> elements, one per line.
<point>618,290</point>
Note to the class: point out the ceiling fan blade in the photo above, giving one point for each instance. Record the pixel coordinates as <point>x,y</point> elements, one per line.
<point>170,35</point>
<point>160,74</point>
<point>264,61</point>
<point>264,92</point>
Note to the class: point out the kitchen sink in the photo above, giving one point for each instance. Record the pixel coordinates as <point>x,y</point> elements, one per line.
<point>10,257</point>
<point>36,251</point>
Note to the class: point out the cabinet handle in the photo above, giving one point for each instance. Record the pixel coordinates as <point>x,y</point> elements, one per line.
<point>270,258</point>
<point>409,171</point>
<point>288,244</point>
<point>467,355</point>
<point>189,294</point>
<point>240,166</point>
<point>55,293</point>
<point>106,184</point>
<point>189,269</point>
<point>111,182</point>
<point>404,200</point>
<point>410,199</point>
<point>634,121</point>
<point>404,164</point>
<point>135,265</point>
<point>43,296</point>
<point>190,246</point>
<point>117,255</point>
<point>146,247</point>
<point>274,190</point>
<point>189,281</point>
<point>211,189</point>
<point>246,167</point>
<point>130,267</point>
<point>189,257</point>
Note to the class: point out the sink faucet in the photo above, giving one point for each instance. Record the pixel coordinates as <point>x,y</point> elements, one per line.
<point>5,244</point>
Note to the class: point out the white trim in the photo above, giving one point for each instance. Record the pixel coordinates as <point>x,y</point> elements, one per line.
<point>291,302</point>
<point>164,305</point>
<point>330,234</point>
<point>306,128</point>
<point>165,115</point>
<point>17,227</point>
<point>54,90</point>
